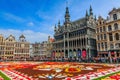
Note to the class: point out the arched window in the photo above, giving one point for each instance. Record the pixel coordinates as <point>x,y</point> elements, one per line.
<point>117,36</point>
<point>97,31</point>
<point>100,22</point>
<point>116,26</point>
<point>98,37</point>
<point>109,28</point>
<point>111,46</point>
<point>101,37</point>
<point>98,46</point>
<point>110,37</point>
<point>106,45</point>
<point>100,29</point>
<point>102,45</point>
<point>114,16</point>
<point>104,29</point>
<point>104,36</point>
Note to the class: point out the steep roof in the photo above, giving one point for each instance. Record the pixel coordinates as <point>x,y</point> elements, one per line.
<point>81,20</point>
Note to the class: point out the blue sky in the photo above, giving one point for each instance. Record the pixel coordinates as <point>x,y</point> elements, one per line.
<point>36,18</point>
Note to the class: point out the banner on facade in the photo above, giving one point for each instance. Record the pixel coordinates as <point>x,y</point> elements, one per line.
<point>84,53</point>
<point>79,53</point>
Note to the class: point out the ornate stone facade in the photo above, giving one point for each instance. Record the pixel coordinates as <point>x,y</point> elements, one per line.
<point>108,34</point>
<point>49,46</point>
<point>75,38</point>
<point>10,49</point>
<point>39,49</point>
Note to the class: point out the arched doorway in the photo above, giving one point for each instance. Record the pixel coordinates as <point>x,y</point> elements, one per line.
<point>74,53</point>
<point>66,53</point>
<point>70,53</point>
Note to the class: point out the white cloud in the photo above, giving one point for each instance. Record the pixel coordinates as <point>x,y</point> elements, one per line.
<point>43,15</point>
<point>12,17</point>
<point>30,35</point>
<point>30,24</point>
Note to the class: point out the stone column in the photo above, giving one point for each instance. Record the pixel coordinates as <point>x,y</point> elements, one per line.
<point>68,43</point>
<point>89,54</point>
<point>72,43</point>
<point>113,36</point>
<point>64,45</point>
<point>76,43</point>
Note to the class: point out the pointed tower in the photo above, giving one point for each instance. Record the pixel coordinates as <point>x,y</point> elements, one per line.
<point>95,18</point>
<point>59,24</point>
<point>87,15</point>
<point>91,13</point>
<point>55,28</point>
<point>67,16</point>
<point>48,38</point>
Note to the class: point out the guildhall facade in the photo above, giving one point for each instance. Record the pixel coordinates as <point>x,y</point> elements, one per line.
<point>108,35</point>
<point>10,49</point>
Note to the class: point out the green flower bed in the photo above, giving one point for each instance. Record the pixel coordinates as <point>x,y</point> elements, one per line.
<point>106,76</point>
<point>4,76</point>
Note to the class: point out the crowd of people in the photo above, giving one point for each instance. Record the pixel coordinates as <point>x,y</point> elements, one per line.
<point>71,59</point>
<point>79,59</point>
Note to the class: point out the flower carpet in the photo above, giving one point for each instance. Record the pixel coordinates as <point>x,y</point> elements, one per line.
<point>59,71</point>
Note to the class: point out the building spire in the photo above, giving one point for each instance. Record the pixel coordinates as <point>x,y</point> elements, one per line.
<point>67,15</point>
<point>95,18</point>
<point>55,28</point>
<point>86,13</point>
<point>91,13</point>
<point>59,23</point>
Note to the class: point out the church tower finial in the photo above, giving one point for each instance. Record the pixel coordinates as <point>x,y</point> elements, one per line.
<point>55,28</point>
<point>91,13</point>
<point>59,23</point>
<point>86,13</point>
<point>95,18</point>
<point>67,15</point>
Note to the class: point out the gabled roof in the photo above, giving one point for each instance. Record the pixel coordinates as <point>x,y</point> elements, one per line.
<point>114,10</point>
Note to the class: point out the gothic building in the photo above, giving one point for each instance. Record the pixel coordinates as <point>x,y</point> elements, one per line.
<point>75,38</point>
<point>108,34</point>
